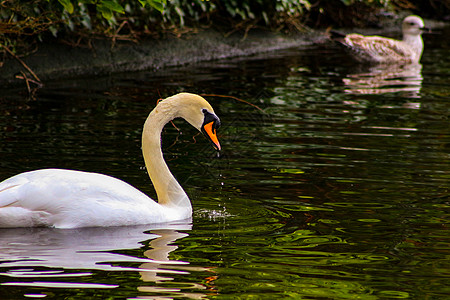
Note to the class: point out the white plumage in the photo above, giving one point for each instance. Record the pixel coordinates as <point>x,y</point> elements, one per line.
<point>71,199</point>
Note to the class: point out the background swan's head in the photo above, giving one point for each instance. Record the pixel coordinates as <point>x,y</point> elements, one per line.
<point>198,112</point>
<point>413,25</point>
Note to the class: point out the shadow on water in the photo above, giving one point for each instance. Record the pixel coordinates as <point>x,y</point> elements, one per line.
<point>337,189</point>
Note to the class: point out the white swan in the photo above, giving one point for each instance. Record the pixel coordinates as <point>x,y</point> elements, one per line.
<point>380,49</point>
<point>71,199</point>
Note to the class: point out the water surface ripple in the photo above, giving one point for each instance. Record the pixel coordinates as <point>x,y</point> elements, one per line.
<point>338,188</point>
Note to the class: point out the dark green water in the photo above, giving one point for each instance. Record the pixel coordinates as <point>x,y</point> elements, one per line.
<point>338,189</point>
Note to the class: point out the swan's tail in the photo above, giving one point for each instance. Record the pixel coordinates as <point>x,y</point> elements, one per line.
<point>9,189</point>
<point>11,215</point>
<point>336,35</point>
<point>5,199</point>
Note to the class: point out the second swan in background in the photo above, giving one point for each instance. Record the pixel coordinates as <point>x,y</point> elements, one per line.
<point>380,49</point>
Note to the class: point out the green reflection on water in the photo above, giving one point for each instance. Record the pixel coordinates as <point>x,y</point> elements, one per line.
<point>329,193</point>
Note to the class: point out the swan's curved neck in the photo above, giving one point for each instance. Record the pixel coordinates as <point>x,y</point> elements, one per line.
<point>169,191</point>
<point>414,41</point>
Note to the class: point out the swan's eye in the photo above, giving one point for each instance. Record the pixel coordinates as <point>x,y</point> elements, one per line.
<point>210,117</point>
<point>210,124</point>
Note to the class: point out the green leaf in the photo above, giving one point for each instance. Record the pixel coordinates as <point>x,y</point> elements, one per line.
<point>106,12</point>
<point>112,5</point>
<point>67,5</point>
<point>108,7</point>
<point>158,5</point>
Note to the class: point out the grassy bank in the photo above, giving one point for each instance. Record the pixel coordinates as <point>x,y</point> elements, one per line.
<point>26,25</point>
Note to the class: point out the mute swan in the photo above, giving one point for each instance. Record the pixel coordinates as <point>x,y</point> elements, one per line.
<point>384,50</point>
<point>71,199</point>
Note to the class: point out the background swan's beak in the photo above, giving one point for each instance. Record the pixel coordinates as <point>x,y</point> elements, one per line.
<point>209,131</point>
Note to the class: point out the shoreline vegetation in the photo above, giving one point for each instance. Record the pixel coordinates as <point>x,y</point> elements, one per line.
<point>44,39</point>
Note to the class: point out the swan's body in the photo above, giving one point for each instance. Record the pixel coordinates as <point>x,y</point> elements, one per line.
<point>71,199</point>
<point>386,50</point>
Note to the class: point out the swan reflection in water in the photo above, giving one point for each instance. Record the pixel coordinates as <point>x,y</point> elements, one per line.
<point>47,254</point>
<point>382,79</point>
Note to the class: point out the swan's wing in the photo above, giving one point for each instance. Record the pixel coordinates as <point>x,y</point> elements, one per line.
<point>376,48</point>
<point>8,190</point>
<point>54,190</point>
<point>65,198</point>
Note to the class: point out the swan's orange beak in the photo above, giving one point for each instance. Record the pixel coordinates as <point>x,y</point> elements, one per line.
<point>210,131</point>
